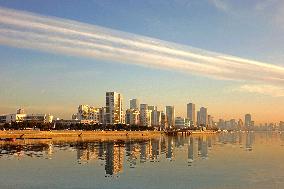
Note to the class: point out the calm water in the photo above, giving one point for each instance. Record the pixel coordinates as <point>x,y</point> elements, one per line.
<point>235,160</point>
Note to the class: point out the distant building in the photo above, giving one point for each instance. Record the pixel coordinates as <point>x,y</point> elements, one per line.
<point>134,104</point>
<point>145,115</point>
<point>155,116</point>
<point>179,122</point>
<point>170,113</point>
<point>248,121</point>
<point>114,112</point>
<point>88,114</point>
<point>202,117</point>
<point>132,117</point>
<point>20,116</point>
<point>191,113</point>
<point>164,121</point>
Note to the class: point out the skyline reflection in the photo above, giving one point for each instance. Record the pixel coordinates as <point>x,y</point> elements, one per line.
<point>118,155</point>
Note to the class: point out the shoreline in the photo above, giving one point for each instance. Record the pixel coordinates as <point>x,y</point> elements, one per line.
<point>62,134</point>
<point>13,135</point>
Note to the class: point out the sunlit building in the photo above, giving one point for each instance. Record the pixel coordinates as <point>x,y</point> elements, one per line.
<point>145,115</point>
<point>114,112</point>
<point>155,116</point>
<point>132,117</point>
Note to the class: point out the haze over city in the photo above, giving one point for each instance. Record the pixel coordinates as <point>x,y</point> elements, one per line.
<point>52,59</point>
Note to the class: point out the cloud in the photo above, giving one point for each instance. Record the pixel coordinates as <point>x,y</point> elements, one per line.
<point>220,4</point>
<point>50,34</point>
<point>269,90</point>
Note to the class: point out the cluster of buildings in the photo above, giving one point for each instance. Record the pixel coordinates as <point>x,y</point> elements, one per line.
<point>21,116</point>
<point>141,114</point>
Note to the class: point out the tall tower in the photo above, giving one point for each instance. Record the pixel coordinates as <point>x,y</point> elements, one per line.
<point>248,120</point>
<point>114,113</point>
<point>203,117</point>
<point>191,113</point>
<point>134,103</point>
<point>170,113</point>
<point>145,115</point>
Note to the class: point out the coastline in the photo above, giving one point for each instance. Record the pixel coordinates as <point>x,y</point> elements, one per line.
<point>77,135</point>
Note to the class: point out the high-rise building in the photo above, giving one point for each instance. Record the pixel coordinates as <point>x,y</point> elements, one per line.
<point>132,117</point>
<point>170,113</point>
<point>155,116</point>
<point>191,113</point>
<point>164,121</point>
<point>248,121</point>
<point>114,113</point>
<point>203,118</point>
<point>134,104</point>
<point>145,115</point>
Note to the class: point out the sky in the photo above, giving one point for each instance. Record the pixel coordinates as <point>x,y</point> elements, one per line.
<point>225,55</point>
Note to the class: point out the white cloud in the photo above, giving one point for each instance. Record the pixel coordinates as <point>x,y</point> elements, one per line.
<point>220,4</point>
<point>270,90</point>
<point>26,30</point>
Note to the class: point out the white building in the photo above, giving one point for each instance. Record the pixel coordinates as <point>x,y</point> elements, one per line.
<point>170,113</point>
<point>20,116</point>
<point>114,112</point>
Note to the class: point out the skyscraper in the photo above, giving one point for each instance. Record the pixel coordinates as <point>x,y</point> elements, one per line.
<point>170,113</point>
<point>114,113</point>
<point>155,116</point>
<point>203,118</point>
<point>145,115</point>
<point>134,103</point>
<point>248,120</point>
<point>191,113</point>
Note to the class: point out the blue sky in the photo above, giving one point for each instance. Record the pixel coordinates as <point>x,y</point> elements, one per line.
<point>56,83</point>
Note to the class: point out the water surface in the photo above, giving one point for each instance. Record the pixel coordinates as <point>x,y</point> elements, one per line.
<point>230,160</point>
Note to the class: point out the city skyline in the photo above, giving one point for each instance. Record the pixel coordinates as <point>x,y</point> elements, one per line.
<point>40,74</point>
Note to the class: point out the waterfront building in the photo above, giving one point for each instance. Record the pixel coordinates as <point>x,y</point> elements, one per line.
<point>20,116</point>
<point>155,116</point>
<point>164,121</point>
<point>132,117</point>
<point>114,112</point>
<point>210,121</point>
<point>179,122</point>
<point>170,113</point>
<point>202,117</point>
<point>88,114</point>
<point>248,121</point>
<point>191,113</point>
<point>145,115</point>
<point>134,103</point>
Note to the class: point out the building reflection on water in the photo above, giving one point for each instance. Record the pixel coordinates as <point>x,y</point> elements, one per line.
<point>117,155</point>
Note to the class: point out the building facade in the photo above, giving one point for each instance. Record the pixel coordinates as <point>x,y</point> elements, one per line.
<point>191,114</point>
<point>114,111</point>
<point>170,113</point>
